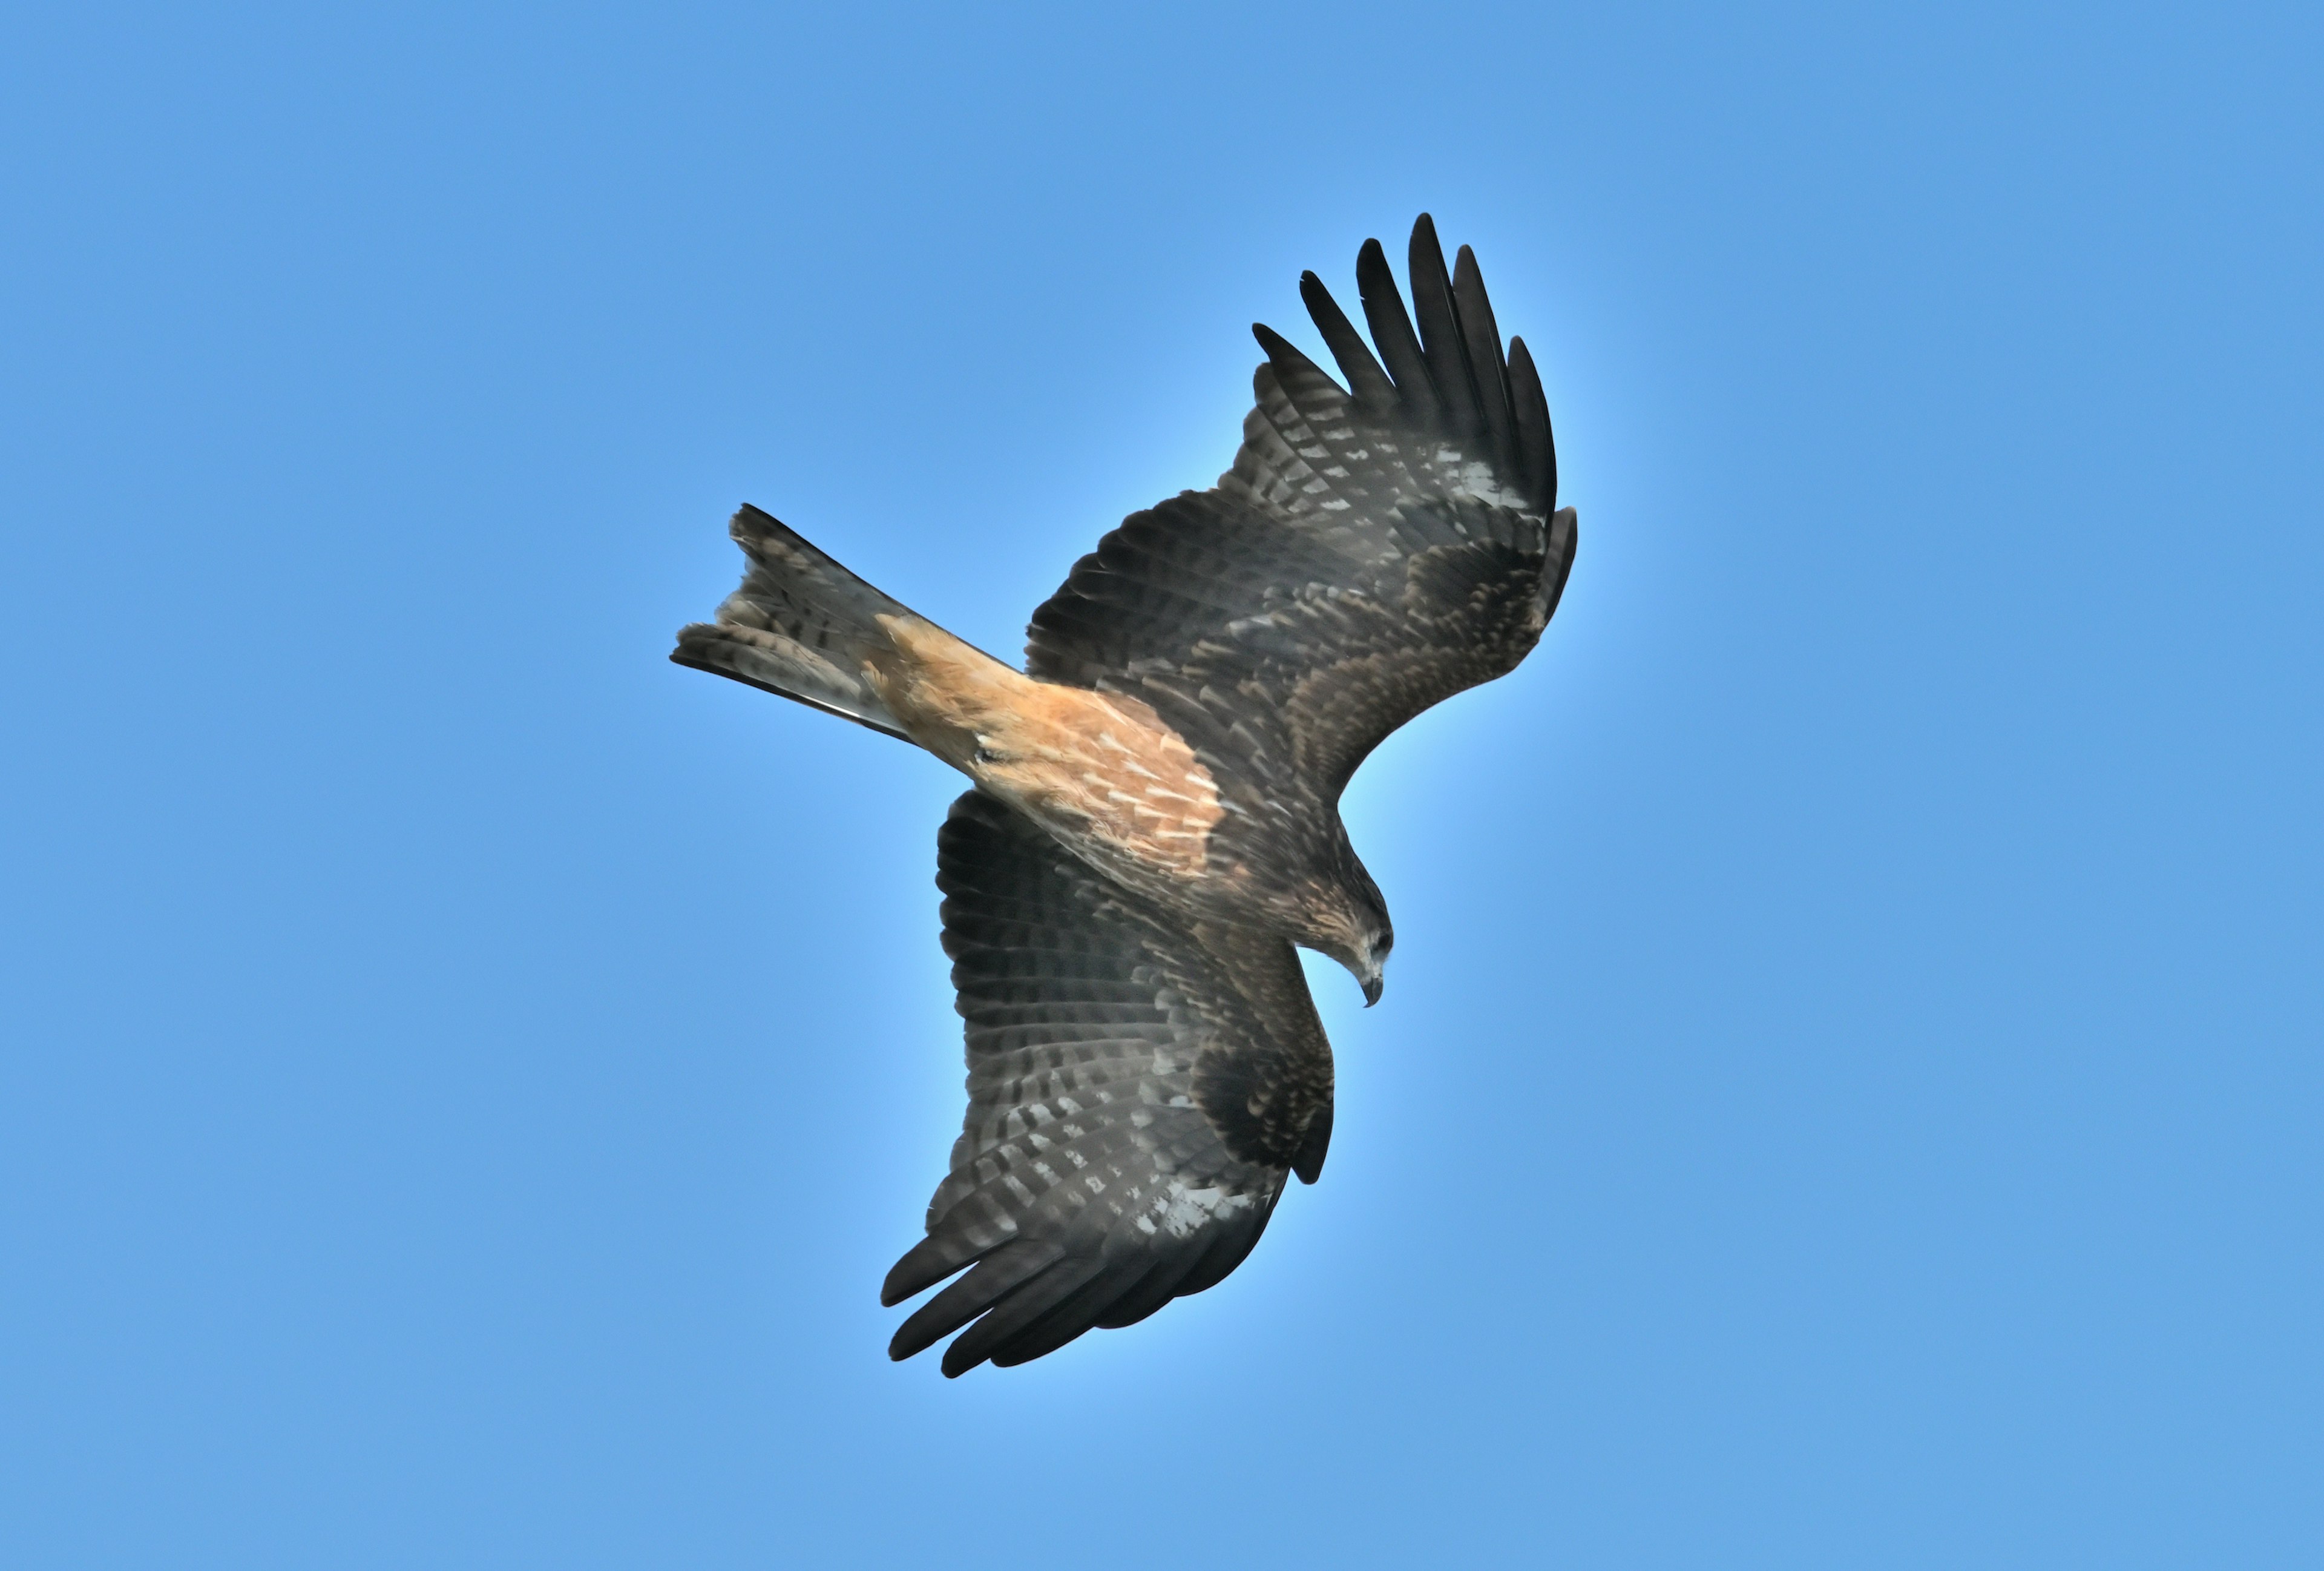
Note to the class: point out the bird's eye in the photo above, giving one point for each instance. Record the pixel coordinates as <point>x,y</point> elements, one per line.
<point>986,756</point>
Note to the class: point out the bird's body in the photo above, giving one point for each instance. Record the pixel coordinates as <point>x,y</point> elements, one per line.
<point>1155,822</point>
<point>1098,771</point>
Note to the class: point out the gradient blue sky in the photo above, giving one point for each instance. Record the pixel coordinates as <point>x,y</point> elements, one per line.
<point>1848,1087</point>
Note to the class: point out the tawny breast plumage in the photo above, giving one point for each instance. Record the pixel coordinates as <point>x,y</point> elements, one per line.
<point>1099,770</point>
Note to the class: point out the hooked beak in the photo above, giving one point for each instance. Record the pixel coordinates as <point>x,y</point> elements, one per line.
<point>1373,987</point>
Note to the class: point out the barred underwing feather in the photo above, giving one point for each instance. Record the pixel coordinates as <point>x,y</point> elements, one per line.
<point>1139,1090</point>
<point>1368,553</point>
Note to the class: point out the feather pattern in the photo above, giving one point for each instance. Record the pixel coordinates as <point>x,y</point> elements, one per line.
<point>1156,812</point>
<point>801,626</point>
<point>1371,553</point>
<point>1139,1088</point>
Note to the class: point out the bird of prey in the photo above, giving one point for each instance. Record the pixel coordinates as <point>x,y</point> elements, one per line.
<point>1155,824</point>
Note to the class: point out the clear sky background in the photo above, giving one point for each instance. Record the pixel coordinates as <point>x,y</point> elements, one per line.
<point>1848,1087</point>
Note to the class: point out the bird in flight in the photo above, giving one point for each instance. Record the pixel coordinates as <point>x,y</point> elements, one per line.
<point>1155,820</point>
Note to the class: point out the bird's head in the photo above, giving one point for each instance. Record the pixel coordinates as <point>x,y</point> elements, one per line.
<point>1351,926</point>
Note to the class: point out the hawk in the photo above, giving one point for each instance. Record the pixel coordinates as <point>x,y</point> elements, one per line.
<point>1153,823</point>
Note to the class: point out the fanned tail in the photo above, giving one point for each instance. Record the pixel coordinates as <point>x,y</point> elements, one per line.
<point>801,625</point>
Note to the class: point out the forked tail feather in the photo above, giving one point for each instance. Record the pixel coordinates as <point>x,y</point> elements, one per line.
<point>800,626</point>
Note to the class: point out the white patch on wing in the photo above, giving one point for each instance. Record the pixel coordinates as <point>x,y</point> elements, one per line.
<point>1183,1212</point>
<point>1480,481</point>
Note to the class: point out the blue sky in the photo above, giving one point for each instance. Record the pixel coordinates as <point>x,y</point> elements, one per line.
<point>1848,1087</point>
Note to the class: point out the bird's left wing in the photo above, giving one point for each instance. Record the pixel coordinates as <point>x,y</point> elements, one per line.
<point>1139,1091</point>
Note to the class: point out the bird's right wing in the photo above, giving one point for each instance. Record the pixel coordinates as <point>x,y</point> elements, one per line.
<point>1139,1092</point>
<point>1376,549</point>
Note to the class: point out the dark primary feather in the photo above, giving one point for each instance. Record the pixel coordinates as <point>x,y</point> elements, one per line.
<point>1371,553</point>
<point>1365,379</point>
<point>1483,339</point>
<point>1137,1097</point>
<point>1392,329</point>
<point>1441,337</point>
<point>1537,453</point>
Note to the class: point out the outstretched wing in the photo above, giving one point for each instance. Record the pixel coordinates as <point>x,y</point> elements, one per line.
<point>1375,550</point>
<point>1138,1092</point>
